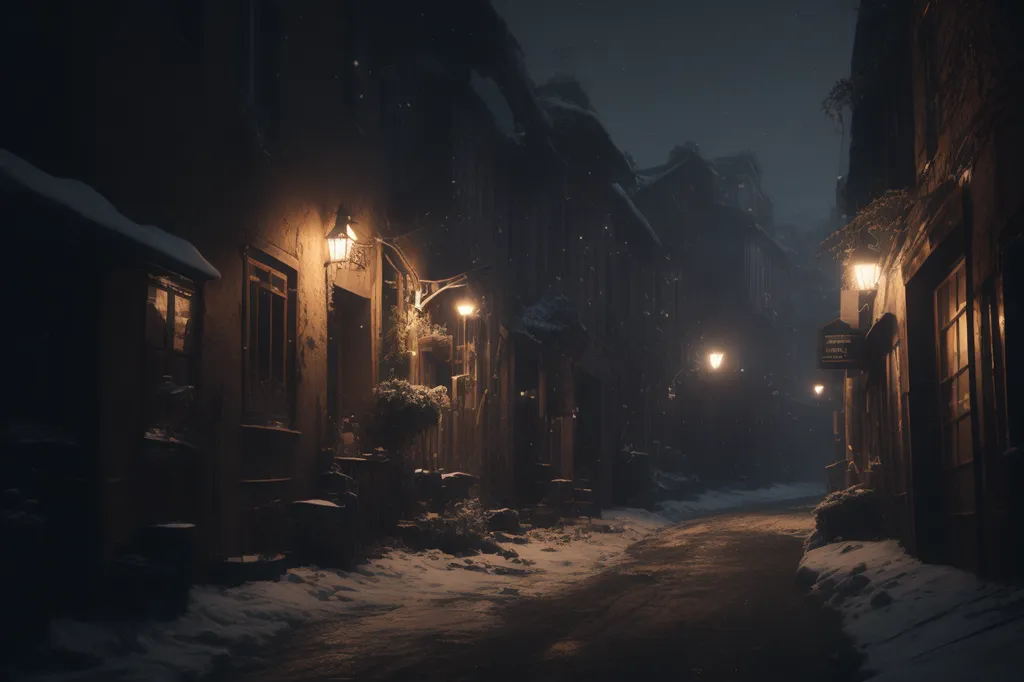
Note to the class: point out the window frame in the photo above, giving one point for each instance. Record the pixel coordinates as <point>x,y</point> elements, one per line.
<point>176,287</point>
<point>953,418</point>
<point>258,411</point>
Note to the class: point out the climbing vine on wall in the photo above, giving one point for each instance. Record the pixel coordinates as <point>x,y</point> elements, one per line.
<point>881,219</point>
<point>405,324</point>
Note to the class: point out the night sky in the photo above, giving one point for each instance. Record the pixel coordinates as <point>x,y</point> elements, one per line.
<point>727,74</point>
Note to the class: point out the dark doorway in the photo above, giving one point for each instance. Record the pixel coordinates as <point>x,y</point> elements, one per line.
<point>587,441</point>
<point>350,356</point>
<point>531,466</point>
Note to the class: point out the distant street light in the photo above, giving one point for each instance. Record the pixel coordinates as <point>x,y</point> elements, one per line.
<point>715,359</point>
<point>819,390</point>
<point>866,268</point>
<point>465,310</point>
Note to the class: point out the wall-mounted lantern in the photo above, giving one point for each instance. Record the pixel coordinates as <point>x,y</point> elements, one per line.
<point>715,359</point>
<point>866,268</point>
<point>819,390</point>
<point>342,239</point>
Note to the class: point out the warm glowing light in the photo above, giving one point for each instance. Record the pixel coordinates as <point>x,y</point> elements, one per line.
<point>818,389</point>
<point>867,275</point>
<point>715,359</point>
<point>342,237</point>
<point>340,242</point>
<point>466,309</point>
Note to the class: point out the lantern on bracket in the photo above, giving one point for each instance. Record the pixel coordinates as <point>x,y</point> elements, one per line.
<point>342,239</point>
<point>866,268</point>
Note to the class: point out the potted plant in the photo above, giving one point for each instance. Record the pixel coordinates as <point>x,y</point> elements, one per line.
<point>402,412</point>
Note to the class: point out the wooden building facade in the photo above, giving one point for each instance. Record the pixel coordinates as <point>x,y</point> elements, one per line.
<point>932,416</point>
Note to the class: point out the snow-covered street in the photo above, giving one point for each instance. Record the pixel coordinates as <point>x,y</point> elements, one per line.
<point>396,599</point>
<point>915,621</point>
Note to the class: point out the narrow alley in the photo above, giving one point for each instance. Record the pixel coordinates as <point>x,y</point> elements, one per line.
<point>512,340</point>
<point>712,599</point>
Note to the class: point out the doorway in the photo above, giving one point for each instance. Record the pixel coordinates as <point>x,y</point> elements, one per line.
<point>349,359</point>
<point>587,441</point>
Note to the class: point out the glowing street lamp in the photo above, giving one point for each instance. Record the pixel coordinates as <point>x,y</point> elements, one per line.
<point>341,238</point>
<point>465,309</point>
<point>866,268</point>
<point>715,359</point>
<point>819,389</point>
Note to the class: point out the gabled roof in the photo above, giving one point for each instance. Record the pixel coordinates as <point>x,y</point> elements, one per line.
<point>681,162</point>
<point>631,208</point>
<point>579,132</point>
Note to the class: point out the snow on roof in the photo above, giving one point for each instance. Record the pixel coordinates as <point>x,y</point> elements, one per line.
<point>562,108</point>
<point>491,95</point>
<point>650,176</point>
<point>636,212</point>
<point>91,205</point>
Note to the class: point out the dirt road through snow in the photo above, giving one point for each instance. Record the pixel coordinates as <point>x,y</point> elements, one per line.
<point>712,599</point>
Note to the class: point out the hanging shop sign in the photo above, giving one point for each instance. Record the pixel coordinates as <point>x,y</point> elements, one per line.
<point>840,346</point>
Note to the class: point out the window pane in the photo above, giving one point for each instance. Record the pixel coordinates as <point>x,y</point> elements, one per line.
<point>254,345</point>
<point>181,370</point>
<point>949,399</point>
<point>259,273</point>
<point>961,287</point>
<point>963,446</point>
<point>942,304</point>
<point>949,444</point>
<point>156,317</point>
<point>963,355</point>
<point>278,283</point>
<point>263,334</point>
<point>947,353</point>
<point>963,393</point>
<point>152,381</point>
<point>277,340</point>
<point>182,324</point>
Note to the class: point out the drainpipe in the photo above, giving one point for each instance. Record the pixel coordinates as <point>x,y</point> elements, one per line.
<point>976,440</point>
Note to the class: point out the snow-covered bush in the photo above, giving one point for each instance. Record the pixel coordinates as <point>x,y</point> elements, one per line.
<point>461,529</point>
<point>403,411</point>
<point>554,320</point>
<point>851,514</point>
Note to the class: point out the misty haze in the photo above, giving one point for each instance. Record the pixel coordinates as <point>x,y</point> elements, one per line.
<point>512,341</point>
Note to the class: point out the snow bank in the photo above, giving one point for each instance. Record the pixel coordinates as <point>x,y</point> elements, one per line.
<point>916,621</point>
<point>722,500</point>
<point>398,591</point>
<point>387,598</point>
<point>88,203</point>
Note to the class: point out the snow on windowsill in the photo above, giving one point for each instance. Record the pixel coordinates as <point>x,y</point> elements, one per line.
<point>266,427</point>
